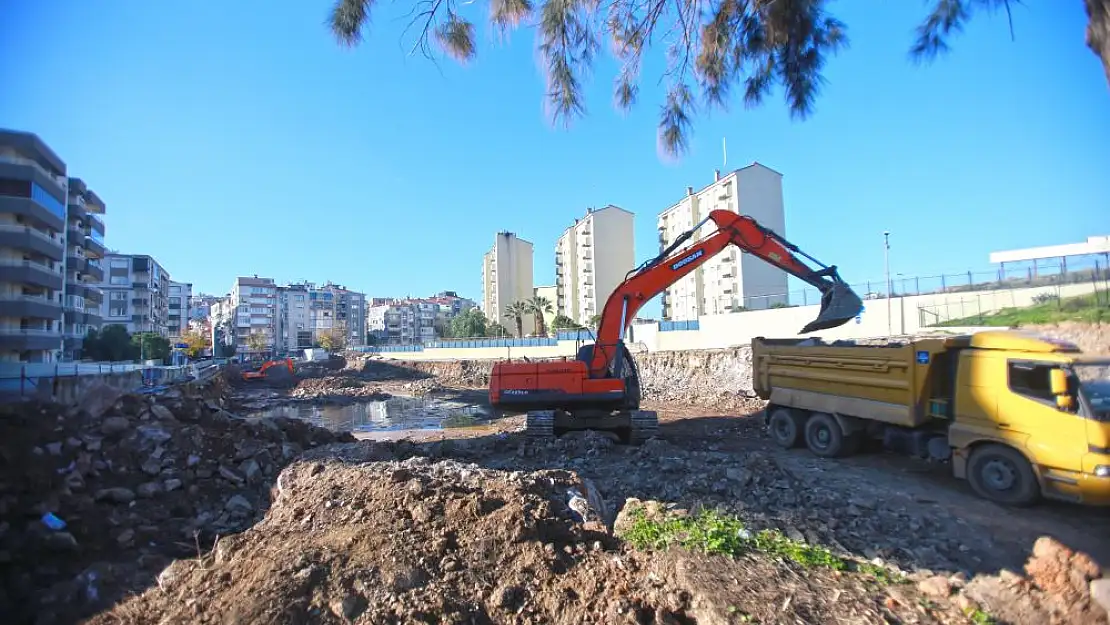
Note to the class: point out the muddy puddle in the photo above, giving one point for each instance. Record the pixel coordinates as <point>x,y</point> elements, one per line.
<point>395,414</point>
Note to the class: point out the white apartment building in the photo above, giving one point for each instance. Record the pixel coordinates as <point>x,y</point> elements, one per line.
<point>295,330</point>
<point>84,268</point>
<point>136,293</point>
<point>587,273</point>
<point>414,320</point>
<point>731,281</point>
<point>307,311</point>
<point>177,318</point>
<point>403,322</point>
<point>506,278</point>
<point>256,313</point>
<point>33,246</point>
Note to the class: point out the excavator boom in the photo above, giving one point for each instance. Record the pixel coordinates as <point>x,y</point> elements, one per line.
<point>600,388</point>
<point>839,304</point>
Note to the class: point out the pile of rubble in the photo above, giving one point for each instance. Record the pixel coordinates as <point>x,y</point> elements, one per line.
<point>95,500</point>
<point>354,535</point>
<point>721,378</point>
<point>336,389</point>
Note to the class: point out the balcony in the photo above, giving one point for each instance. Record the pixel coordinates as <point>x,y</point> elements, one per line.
<point>31,272</point>
<point>96,223</point>
<point>30,239</point>
<point>94,269</point>
<point>29,306</point>
<point>95,247</point>
<point>75,234</point>
<point>19,339</point>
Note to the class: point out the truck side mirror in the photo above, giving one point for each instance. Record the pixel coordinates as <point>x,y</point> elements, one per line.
<point>1058,382</point>
<point>1064,403</point>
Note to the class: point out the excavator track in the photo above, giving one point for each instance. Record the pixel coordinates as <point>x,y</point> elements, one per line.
<point>540,424</point>
<point>634,427</point>
<point>644,425</point>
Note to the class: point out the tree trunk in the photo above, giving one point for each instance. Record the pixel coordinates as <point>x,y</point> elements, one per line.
<point>1098,32</point>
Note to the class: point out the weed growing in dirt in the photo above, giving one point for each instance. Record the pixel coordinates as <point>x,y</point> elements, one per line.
<point>979,617</point>
<point>880,574</point>
<point>716,533</point>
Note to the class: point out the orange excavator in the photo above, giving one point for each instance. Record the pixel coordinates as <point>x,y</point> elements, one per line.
<point>600,388</point>
<point>260,373</point>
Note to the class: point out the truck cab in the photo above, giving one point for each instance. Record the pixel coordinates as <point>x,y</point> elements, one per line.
<point>1036,396</point>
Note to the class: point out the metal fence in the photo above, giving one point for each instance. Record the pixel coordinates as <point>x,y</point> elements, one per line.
<point>679,326</point>
<point>1045,273</point>
<point>22,379</point>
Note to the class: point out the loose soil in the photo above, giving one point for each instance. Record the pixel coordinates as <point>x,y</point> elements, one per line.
<point>483,525</point>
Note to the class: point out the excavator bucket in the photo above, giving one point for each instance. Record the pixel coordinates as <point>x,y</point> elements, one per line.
<point>839,305</point>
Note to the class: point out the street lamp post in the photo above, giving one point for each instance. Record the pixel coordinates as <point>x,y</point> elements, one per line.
<point>889,292</point>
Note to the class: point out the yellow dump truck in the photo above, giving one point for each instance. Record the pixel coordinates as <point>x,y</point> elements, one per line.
<point>1018,415</point>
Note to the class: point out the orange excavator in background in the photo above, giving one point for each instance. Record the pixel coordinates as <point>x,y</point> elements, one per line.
<point>260,373</point>
<point>600,388</point>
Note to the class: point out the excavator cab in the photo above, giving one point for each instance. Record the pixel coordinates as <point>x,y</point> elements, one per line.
<point>839,305</point>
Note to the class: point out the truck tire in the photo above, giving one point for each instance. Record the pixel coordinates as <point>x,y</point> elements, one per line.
<point>786,427</point>
<point>824,437</point>
<point>1002,475</point>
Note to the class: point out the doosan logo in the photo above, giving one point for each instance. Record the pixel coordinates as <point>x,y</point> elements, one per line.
<point>686,261</point>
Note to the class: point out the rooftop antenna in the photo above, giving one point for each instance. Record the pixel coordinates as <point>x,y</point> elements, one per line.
<point>724,154</point>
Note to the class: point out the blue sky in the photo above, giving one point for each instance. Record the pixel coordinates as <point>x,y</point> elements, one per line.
<point>237,138</point>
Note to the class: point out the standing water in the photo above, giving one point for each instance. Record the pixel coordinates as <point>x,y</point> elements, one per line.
<point>390,415</point>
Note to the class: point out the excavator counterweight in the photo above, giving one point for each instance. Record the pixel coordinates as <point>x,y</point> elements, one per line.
<point>600,388</point>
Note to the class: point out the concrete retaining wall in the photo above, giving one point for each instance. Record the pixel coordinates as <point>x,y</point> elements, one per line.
<point>907,315</point>
<point>715,377</point>
<point>73,389</point>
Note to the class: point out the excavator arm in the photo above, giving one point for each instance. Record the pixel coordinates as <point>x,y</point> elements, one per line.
<point>839,304</point>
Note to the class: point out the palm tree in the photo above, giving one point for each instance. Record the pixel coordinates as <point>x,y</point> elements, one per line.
<point>726,52</point>
<point>518,311</point>
<point>540,306</point>
<point>595,321</point>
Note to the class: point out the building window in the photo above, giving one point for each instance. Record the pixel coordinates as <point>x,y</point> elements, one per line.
<point>117,304</point>
<point>52,203</point>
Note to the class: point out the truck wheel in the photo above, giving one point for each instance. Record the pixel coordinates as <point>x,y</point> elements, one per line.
<point>1002,475</point>
<point>786,427</point>
<point>824,436</point>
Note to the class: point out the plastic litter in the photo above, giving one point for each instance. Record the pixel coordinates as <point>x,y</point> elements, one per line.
<point>53,522</point>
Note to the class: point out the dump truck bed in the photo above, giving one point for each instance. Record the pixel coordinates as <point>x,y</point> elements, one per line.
<point>901,383</point>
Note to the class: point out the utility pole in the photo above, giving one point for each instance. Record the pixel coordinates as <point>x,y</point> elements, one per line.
<point>889,292</point>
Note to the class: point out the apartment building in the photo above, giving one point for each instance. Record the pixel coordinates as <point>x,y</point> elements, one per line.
<point>33,191</point>
<point>254,304</point>
<point>347,309</point>
<point>585,273</point>
<point>84,270</point>
<point>506,277</point>
<point>200,306</point>
<point>221,317</point>
<point>295,331</point>
<point>404,321</point>
<point>731,281</point>
<point>308,311</point>
<point>136,293</point>
<point>177,318</point>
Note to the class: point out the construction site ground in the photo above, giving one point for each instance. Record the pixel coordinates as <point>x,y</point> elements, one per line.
<point>709,523</point>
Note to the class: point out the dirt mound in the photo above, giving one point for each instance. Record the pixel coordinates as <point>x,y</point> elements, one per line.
<point>92,508</point>
<point>334,387</point>
<point>445,542</point>
<point>1057,588</point>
